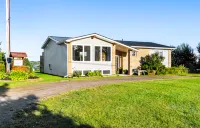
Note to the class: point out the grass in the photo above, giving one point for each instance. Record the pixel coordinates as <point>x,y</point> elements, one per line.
<point>43,78</point>
<point>46,78</point>
<point>165,103</point>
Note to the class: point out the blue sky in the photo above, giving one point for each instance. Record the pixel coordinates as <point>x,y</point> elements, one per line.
<point>167,22</point>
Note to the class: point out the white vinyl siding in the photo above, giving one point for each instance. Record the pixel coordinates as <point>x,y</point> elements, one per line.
<point>164,53</point>
<point>92,64</point>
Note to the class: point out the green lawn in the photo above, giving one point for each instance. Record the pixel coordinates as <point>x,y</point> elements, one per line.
<point>45,78</point>
<point>166,103</point>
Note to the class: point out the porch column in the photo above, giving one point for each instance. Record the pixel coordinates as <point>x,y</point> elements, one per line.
<point>69,55</point>
<point>129,62</point>
<point>113,59</point>
<point>169,58</point>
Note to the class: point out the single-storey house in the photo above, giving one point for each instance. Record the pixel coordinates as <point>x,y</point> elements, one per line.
<point>93,52</point>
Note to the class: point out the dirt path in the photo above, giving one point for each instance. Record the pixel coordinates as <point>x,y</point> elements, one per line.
<point>20,97</point>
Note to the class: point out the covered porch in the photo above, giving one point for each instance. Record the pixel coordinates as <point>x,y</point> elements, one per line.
<point>123,59</point>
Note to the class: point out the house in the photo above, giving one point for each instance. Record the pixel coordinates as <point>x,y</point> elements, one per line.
<point>93,52</point>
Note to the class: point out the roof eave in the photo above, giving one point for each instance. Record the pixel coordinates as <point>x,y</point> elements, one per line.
<point>101,37</point>
<point>153,47</point>
<point>46,41</point>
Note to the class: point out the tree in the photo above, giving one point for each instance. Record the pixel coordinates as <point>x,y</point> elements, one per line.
<point>152,62</point>
<point>198,48</point>
<point>27,63</point>
<point>184,55</point>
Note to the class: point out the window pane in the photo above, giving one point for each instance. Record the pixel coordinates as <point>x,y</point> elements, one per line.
<point>106,71</point>
<point>77,53</point>
<point>106,55</point>
<point>97,53</point>
<point>86,53</point>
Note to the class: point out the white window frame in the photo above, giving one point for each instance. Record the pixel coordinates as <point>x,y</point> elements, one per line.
<point>101,53</point>
<point>83,52</point>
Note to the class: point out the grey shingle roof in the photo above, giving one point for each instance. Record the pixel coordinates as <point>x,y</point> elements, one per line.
<point>144,44</point>
<point>128,43</point>
<point>60,39</point>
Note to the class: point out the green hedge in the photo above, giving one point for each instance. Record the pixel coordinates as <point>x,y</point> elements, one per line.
<point>181,70</point>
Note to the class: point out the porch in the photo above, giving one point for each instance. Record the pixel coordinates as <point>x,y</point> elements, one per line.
<point>123,60</point>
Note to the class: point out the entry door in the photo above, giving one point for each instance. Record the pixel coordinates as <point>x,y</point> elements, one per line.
<point>117,61</point>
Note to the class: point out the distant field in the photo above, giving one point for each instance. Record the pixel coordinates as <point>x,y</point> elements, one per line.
<point>165,103</point>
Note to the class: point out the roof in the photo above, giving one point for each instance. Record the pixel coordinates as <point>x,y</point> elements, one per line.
<point>18,54</point>
<point>60,40</point>
<point>144,44</point>
<point>57,39</point>
<point>129,44</point>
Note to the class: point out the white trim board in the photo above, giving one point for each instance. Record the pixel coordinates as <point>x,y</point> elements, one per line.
<point>153,47</point>
<point>101,37</point>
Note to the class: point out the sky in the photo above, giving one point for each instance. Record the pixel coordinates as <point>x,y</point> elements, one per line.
<point>169,22</point>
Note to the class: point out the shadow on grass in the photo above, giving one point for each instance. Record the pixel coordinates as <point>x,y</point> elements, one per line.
<point>25,112</point>
<point>3,89</point>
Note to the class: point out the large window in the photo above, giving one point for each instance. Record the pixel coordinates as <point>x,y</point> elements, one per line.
<point>97,53</point>
<point>77,53</point>
<point>102,53</point>
<point>106,53</point>
<point>86,53</point>
<point>81,53</point>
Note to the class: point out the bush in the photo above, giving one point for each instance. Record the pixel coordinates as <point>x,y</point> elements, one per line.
<point>181,70</point>
<point>18,75</point>
<point>161,70</point>
<point>22,68</point>
<point>152,62</point>
<point>95,73</point>
<point>3,75</point>
<point>77,74</point>
<point>32,75</point>
<point>125,71</point>
<point>2,66</point>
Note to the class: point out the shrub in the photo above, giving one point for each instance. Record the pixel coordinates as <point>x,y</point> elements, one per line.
<point>161,70</point>
<point>32,75</point>
<point>181,70</point>
<point>3,75</point>
<point>95,73</point>
<point>125,71</point>
<point>2,66</point>
<point>22,68</point>
<point>89,73</point>
<point>152,62</point>
<point>77,74</point>
<point>18,75</point>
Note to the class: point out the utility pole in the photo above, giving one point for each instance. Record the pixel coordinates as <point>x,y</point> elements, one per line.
<point>8,35</point>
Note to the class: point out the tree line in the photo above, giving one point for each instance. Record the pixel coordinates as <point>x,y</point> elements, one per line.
<point>184,55</point>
